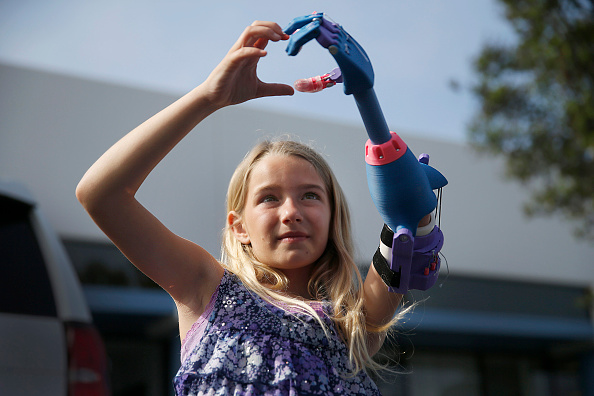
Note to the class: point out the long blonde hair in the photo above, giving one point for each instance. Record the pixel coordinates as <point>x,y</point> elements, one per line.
<point>335,276</point>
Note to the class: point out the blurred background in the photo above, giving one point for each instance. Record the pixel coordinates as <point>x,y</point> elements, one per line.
<point>464,81</point>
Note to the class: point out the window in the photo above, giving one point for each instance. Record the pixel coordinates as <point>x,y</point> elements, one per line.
<point>444,374</point>
<point>100,263</point>
<point>485,373</point>
<point>25,287</point>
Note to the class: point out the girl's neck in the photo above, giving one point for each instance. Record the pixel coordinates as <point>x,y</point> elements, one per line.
<point>298,284</point>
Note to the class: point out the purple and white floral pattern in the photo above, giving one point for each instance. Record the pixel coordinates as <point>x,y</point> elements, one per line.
<point>251,347</point>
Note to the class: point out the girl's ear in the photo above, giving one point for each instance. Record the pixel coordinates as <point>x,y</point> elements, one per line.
<point>236,225</point>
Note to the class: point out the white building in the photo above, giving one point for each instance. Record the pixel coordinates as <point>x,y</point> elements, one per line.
<point>515,311</point>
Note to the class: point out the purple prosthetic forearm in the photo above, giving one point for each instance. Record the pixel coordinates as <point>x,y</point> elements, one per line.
<point>407,262</point>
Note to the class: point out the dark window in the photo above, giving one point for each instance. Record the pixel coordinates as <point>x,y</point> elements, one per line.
<point>507,296</point>
<point>100,263</point>
<point>25,287</point>
<point>449,372</point>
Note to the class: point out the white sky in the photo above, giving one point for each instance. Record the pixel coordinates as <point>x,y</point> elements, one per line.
<point>416,48</point>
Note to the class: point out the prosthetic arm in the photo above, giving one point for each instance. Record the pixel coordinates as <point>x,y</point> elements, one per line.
<point>400,185</point>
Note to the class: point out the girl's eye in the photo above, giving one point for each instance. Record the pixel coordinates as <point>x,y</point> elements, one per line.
<point>269,198</point>
<point>311,195</point>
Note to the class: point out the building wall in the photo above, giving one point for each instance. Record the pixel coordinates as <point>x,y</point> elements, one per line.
<point>52,127</point>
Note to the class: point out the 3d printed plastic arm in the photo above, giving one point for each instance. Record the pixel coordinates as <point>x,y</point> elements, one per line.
<point>400,185</point>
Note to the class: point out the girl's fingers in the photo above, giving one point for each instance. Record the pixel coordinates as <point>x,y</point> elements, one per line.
<point>235,79</point>
<point>261,43</point>
<point>246,53</point>
<point>274,27</point>
<point>275,89</point>
<point>259,33</point>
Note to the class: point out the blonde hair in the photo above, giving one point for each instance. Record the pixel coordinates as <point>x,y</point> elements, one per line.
<point>335,276</point>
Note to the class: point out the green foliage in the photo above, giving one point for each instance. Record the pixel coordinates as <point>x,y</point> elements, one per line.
<point>537,105</point>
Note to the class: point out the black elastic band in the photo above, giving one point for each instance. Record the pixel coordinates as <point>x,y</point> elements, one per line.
<point>390,278</point>
<point>387,236</point>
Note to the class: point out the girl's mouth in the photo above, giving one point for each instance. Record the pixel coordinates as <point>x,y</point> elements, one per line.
<point>293,237</point>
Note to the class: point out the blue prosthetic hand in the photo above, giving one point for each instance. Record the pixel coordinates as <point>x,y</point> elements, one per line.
<point>356,69</point>
<point>400,185</point>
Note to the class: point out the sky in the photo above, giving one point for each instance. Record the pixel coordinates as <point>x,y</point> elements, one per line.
<point>417,49</point>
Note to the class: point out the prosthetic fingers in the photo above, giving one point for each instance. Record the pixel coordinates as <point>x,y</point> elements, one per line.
<point>400,185</point>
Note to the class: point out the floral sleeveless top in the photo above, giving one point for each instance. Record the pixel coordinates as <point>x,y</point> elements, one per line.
<point>251,347</point>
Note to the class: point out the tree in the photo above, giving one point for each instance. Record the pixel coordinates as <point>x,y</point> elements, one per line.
<point>537,106</point>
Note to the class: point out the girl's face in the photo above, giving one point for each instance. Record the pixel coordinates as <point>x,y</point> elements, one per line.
<point>287,213</point>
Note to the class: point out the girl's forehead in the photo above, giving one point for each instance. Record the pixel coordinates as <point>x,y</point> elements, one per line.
<point>286,169</point>
<point>283,161</point>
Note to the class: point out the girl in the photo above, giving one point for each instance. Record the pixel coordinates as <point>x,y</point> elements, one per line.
<point>285,310</point>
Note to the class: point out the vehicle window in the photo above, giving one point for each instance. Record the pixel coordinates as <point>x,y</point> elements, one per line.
<point>100,263</point>
<point>24,283</point>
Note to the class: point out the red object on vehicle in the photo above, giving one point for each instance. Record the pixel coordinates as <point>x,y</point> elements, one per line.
<point>87,361</point>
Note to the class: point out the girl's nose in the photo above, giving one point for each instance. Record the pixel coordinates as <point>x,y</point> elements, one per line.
<point>290,212</point>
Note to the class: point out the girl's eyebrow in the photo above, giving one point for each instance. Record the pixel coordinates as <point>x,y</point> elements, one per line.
<point>272,187</point>
<point>265,188</point>
<point>313,187</point>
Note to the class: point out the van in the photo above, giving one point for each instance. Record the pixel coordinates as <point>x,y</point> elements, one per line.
<point>48,343</point>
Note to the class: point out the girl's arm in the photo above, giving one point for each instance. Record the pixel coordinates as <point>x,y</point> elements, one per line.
<point>380,307</point>
<point>107,190</point>
<point>380,304</point>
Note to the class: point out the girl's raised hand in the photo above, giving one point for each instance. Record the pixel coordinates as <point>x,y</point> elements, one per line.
<point>235,79</point>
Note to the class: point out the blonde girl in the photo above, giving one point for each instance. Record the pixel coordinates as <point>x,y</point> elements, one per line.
<point>284,311</point>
